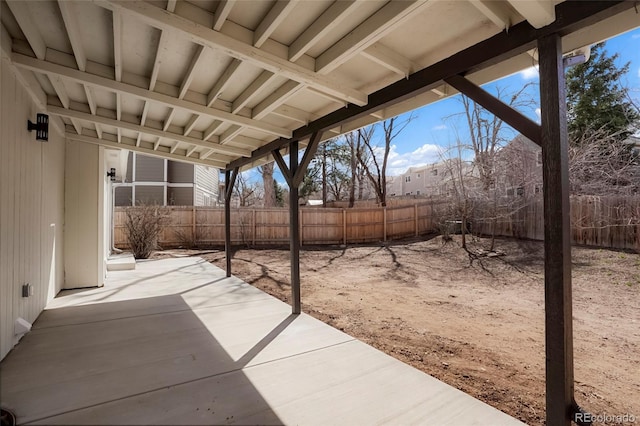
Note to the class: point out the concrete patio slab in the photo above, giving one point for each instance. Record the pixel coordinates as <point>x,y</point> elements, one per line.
<point>121,262</point>
<point>176,342</point>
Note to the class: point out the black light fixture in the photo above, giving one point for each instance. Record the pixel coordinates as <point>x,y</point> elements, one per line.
<point>112,174</point>
<point>41,126</point>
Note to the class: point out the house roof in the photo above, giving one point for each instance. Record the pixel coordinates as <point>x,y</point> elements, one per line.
<point>223,83</point>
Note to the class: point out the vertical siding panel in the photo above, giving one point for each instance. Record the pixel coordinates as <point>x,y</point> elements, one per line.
<point>31,201</point>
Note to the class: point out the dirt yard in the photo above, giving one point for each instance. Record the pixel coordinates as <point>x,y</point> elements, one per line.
<point>477,327</point>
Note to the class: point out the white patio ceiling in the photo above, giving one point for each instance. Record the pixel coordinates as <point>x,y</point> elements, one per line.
<point>209,81</point>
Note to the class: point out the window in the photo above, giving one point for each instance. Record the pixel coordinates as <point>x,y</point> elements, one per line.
<point>417,192</point>
<point>539,158</point>
<point>510,192</point>
<point>520,191</point>
<point>418,174</point>
<point>408,193</point>
<point>407,178</point>
<point>537,189</point>
<point>434,172</point>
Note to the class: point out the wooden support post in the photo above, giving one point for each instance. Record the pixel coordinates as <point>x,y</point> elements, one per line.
<point>229,182</point>
<point>557,238</point>
<point>294,229</point>
<point>301,225</point>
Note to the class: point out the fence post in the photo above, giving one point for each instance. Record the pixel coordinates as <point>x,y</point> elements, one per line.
<point>344,226</point>
<point>415,214</point>
<point>301,226</point>
<point>384,227</point>
<point>253,227</point>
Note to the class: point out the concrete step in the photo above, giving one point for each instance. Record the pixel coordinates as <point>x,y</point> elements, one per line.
<point>121,262</point>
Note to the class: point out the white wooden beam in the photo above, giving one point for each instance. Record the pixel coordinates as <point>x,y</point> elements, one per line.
<point>389,59</point>
<point>162,45</point>
<point>167,121</point>
<point>60,90</point>
<point>145,111</point>
<point>252,90</point>
<point>130,144</point>
<point>175,147</point>
<point>52,69</point>
<point>386,19</point>
<point>139,140</point>
<point>322,26</point>
<point>278,97</point>
<point>20,10</point>
<point>269,23</point>
<point>208,133</point>
<point>191,150</point>
<point>539,13</point>
<point>497,12</point>
<point>199,34</point>
<point>294,113</point>
<point>145,130</point>
<point>117,45</point>
<point>190,124</point>
<point>222,11</point>
<point>156,144</point>
<point>118,105</point>
<point>68,12</point>
<point>186,82</point>
<point>230,133</point>
<point>223,81</point>
<point>171,5</point>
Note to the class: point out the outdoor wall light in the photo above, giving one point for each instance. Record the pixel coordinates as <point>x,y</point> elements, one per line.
<point>41,126</point>
<point>112,174</point>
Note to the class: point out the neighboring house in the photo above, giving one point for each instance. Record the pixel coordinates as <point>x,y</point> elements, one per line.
<point>518,168</point>
<point>430,180</point>
<point>152,180</point>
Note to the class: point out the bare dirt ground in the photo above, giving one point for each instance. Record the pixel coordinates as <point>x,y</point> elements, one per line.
<point>477,327</point>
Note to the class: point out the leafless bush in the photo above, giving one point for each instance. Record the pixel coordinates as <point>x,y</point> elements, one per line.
<point>143,225</point>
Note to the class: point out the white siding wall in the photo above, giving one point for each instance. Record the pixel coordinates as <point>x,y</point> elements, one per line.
<point>206,183</point>
<point>31,211</point>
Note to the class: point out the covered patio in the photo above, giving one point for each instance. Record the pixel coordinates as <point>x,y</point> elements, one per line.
<point>177,342</point>
<point>232,85</point>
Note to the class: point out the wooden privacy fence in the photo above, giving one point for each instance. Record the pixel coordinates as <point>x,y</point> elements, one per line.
<point>612,222</point>
<point>204,226</point>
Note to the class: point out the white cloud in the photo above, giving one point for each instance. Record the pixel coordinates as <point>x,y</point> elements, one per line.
<point>638,72</point>
<point>440,127</point>
<point>529,73</point>
<point>399,163</point>
<point>635,36</point>
<point>539,114</point>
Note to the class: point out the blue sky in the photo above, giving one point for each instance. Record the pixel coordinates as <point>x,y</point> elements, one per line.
<point>431,130</point>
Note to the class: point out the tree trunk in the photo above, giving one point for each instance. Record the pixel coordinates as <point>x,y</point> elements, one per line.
<point>267,183</point>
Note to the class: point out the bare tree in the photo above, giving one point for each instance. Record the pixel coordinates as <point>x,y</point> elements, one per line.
<point>266,171</point>
<point>601,163</point>
<point>245,191</point>
<point>376,169</point>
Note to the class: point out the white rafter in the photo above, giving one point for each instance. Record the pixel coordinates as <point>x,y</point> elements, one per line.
<point>20,10</point>
<point>275,99</point>
<point>191,71</point>
<point>209,132</point>
<point>322,26</point>
<point>191,150</point>
<point>175,147</point>
<point>389,59</point>
<point>269,23</point>
<point>230,133</point>
<point>127,143</point>
<point>190,124</point>
<point>252,90</point>
<point>216,40</point>
<point>223,81</point>
<point>50,69</point>
<point>171,5</point>
<point>539,13</point>
<point>167,121</point>
<point>117,45</point>
<point>386,19</point>
<point>497,12</point>
<point>222,11</point>
<point>145,130</point>
<point>145,111</point>
<point>162,43</point>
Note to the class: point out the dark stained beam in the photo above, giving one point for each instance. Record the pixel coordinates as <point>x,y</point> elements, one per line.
<point>508,114</point>
<point>229,183</point>
<point>557,237</point>
<point>294,232</point>
<point>570,17</point>
<point>309,153</point>
<point>283,167</point>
